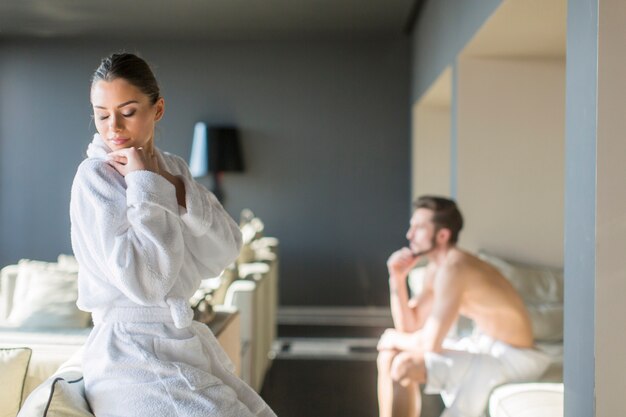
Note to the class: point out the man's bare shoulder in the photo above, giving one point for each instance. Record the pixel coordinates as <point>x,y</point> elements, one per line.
<point>461,267</point>
<point>452,273</point>
<point>460,261</point>
<point>457,262</point>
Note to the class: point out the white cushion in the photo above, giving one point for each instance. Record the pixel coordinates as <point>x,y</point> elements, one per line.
<point>536,284</point>
<point>13,366</point>
<point>527,400</point>
<point>8,276</point>
<point>67,262</point>
<point>45,297</point>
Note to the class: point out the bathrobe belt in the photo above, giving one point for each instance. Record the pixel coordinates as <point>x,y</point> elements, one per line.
<point>178,313</point>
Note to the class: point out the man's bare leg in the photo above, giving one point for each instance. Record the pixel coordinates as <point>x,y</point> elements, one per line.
<point>407,372</point>
<point>407,400</point>
<point>396,399</point>
<point>385,383</point>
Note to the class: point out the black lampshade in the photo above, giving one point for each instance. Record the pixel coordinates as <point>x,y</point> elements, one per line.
<point>224,150</point>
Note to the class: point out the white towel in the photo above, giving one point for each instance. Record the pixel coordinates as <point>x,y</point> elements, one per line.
<point>466,372</point>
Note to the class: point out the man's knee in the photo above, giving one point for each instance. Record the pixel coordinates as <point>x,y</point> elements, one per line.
<point>408,366</point>
<point>385,359</point>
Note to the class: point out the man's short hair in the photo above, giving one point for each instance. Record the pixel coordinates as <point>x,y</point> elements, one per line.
<point>446,214</point>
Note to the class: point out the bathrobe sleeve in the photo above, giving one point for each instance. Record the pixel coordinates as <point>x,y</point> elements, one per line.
<point>134,235</point>
<point>211,235</point>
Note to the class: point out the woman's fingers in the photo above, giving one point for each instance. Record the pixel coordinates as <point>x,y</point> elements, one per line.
<point>117,158</point>
<point>134,159</point>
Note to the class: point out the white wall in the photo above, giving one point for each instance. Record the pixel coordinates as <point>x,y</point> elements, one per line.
<point>510,178</point>
<point>431,139</point>
<point>431,150</point>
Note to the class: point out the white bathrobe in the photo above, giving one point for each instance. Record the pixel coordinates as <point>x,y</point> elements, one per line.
<point>141,257</point>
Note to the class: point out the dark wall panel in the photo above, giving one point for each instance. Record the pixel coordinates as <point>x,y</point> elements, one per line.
<point>325,133</point>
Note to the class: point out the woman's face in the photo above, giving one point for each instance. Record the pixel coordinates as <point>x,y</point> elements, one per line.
<point>123,114</point>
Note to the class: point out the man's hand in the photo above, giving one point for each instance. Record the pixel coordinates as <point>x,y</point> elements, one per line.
<point>400,263</point>
<point>395,340</point>
<point>408,367</point>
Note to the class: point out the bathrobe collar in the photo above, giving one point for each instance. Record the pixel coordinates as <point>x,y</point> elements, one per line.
<point>97,148</point>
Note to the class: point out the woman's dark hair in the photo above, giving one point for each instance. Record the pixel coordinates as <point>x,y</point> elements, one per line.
<point>446,214</point>
<point>130,68</point>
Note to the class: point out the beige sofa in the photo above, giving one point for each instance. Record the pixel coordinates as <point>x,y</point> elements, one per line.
<point>541,289</point>
<point>42,333</point>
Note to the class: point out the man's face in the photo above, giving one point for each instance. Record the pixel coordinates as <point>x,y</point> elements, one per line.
<point>421,233</point>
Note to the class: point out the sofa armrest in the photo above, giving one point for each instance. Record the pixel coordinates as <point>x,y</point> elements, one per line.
<point>525,400</point>
<point>226,327</point>
<point>244,295</point>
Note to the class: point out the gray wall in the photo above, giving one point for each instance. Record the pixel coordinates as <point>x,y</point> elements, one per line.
<point>325,130</point>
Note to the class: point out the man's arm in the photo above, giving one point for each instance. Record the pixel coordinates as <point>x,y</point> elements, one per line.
<point>448,292</point>
<point>399,265</point>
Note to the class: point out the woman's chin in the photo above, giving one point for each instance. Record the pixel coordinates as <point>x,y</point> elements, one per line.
<point>117,146</point>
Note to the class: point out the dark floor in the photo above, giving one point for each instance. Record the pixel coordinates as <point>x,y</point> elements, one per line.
<point>325,386</point>
<point>316,388</point>
<point>321,386</point>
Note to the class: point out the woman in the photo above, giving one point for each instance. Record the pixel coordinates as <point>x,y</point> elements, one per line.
<point>144,234</point>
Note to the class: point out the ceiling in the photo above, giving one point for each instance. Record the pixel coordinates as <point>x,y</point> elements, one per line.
<point>203,19</point>
<point>522,29</point>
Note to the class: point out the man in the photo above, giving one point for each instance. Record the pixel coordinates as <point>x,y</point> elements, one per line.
<point>456,283</point>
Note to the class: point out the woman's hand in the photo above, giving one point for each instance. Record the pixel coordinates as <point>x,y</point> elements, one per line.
<point>133,159</point>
